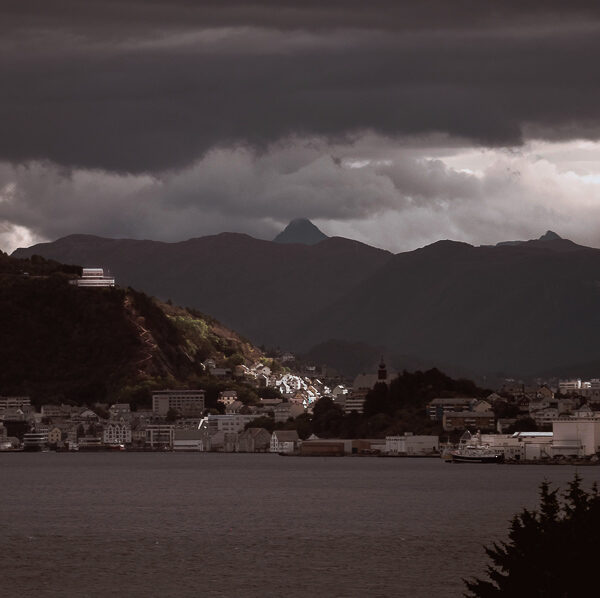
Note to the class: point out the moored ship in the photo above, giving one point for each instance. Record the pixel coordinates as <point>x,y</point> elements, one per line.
<point>472,450</point>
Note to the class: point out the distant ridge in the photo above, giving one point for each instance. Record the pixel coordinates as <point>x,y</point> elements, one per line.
<point>515,310</point>
<point>302,231</point>
<point>549,235</point>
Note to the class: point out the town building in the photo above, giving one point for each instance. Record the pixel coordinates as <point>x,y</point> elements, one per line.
<point>437,408</point>
<point>544,417</point>
<point>367,381</point>
<point>227,397</point>
<point>576,436</point>
<point>284,441</point>
<point>318,447</point>
<point>254,440</point>
<point>572,386</point>
<point>529,446</point>
<point>117,432</point>
<point>363,383</point>
<point>159,436</point>
<point>89,443</point>
<point>120,410</point>
<point>85,416</point>
<point>62,411</point>
<point>284,411</point>
<point>234,407</point>
<point>408,444</point>
<point>93,277</point>
<point>233,423</point>
<point>187,440</point>
<point>55,436</point>
<point>187,403</point>
<point>463,420</point>
<point>269,404</point>
<point>355,401</point>
<point>220,372</point>
<point>35,441</point>
<point>14,403</point>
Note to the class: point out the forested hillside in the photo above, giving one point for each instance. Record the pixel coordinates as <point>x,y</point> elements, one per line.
<point>81,345</point>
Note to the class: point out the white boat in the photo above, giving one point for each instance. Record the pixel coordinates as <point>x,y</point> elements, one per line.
<point>472,450</point>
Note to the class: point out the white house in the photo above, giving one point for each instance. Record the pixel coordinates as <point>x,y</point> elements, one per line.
<point>117,432</point>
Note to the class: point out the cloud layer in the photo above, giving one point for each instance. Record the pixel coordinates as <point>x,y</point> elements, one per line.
<point>397,123</point>
<point>151,85</point>
<point>371,190</point>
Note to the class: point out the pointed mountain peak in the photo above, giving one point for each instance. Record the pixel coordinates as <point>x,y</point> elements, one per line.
<point>547,236</point>
<point>550,235</point>
<point>302,231</point>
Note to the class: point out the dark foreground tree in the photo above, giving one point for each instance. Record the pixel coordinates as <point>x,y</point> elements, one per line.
<point>550,552</point>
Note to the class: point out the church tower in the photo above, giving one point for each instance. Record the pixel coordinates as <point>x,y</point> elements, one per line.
<point>382,372</point>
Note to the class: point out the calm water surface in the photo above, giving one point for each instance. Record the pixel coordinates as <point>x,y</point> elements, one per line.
<point>94,525</point>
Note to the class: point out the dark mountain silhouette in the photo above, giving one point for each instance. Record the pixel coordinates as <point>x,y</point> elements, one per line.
<point>547,236</point>
<point>514,309</point>
<point>301,231</point>
<point>259,288</point>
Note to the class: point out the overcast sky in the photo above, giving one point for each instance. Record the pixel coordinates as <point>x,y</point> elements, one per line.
<point>395,123</point>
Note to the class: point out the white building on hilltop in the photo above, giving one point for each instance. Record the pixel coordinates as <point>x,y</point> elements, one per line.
<point>94,277</point>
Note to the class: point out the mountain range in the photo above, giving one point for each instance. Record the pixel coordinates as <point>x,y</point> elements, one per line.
<point>517,309</point>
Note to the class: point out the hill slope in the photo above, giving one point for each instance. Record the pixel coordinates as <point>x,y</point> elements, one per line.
<point>61,342</point>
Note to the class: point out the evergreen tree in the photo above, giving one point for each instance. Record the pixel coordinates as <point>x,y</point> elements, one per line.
<point>549,552</point>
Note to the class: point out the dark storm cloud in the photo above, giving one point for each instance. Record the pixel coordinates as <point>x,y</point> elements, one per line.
<point>292,14</point>
<point>151,85</point>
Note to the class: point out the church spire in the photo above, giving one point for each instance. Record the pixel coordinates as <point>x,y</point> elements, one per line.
<point>382,371</point>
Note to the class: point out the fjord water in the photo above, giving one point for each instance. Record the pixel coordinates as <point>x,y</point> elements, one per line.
<point>135,524</point>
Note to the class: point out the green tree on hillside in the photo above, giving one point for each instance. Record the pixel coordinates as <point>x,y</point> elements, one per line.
<point>550,552</point>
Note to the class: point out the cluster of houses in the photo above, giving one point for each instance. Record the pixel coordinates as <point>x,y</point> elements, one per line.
<point>176,421</point>
<point>537,403</point>
<point>297,389</point>
<point>567,422</point>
